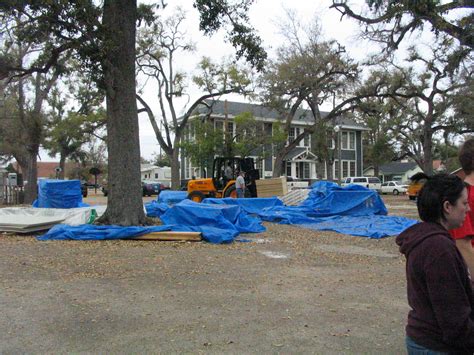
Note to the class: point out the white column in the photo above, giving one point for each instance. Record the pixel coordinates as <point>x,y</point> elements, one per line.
<point>293,169</point>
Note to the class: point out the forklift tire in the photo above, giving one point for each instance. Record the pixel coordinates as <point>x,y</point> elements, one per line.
<point>231,192</point>
<point>196,196</point>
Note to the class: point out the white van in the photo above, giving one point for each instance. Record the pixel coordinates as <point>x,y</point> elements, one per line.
<point>372,183</point>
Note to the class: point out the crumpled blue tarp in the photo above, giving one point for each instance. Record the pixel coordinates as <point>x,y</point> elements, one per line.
<point>59,194</point>
<point>218,223</point>
<point>171,197</point>
<point>328,199</point>
<point>155,208</point>
<point>249,205</point>
<point>353,210</point>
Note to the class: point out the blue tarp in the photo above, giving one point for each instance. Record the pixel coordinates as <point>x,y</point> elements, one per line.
<point>375,226</point>
<point>249,205</point>
<point>59,194</point>
<point>155,208</point>
<point>93,232</point>
<point>353,210</point>
<point>217,223</point>
<point>171,197</point>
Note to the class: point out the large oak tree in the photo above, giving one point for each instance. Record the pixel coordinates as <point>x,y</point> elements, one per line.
<point>103,37</point>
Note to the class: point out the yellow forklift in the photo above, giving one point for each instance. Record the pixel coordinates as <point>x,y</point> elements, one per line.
<point>222,182</point>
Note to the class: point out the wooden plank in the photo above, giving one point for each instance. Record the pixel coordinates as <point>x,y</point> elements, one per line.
<point>272,187</point>
<point>171,236</point>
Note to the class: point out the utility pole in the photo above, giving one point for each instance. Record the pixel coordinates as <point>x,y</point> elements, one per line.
<point>338,131</point>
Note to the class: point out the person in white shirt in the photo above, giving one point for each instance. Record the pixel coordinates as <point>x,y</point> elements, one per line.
<point>240,185</point>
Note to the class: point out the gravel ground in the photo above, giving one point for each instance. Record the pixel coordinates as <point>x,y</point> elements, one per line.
<point>291,290</point>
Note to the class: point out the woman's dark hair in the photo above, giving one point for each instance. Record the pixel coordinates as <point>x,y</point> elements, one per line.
<point>437,190</point>
<point>466,156</point>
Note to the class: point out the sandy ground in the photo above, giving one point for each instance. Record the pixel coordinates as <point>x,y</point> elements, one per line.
<point>291,290</point>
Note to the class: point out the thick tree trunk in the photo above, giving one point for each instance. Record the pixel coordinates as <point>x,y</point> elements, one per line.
<point>278,165</point>
<point>427,152</point>
<point>175,179</point>
<point>428,142</point>
<point>29,169</point>
<point>62,165</point>
<point>125,204</point>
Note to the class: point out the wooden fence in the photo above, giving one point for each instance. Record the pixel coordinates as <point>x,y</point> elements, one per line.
<point>11,195</point>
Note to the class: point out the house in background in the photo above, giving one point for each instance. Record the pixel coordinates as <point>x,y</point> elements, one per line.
<point>301,162</point>
<point>401,171</point>
<point>395,171</point>
<point>154,173</point>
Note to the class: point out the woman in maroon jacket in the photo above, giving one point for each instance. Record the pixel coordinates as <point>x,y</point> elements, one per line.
<point>441,319</point>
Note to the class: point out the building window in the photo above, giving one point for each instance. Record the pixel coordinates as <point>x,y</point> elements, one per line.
<point>156,175</point>
<point>307,141</point>
<point>288,168</point>
<point>219,125</point>
<point>291,134</point>
<point>230,128</point>
<point>345,168</point>
<point>330,142</point>
<point>306,170</point>
<point>352,139</point>
<point>352,168</point>
<point>348,140</point>
<point>344,140</point>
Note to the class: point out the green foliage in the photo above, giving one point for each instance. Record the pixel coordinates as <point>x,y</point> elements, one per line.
<point>216,14</point>
<point>321,142</point>
<point>249,136</point>
<point>213,77</point>
<point>204,144</point>
<point>161,160</point>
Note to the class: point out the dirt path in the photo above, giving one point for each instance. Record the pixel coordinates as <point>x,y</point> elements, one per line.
<point>291,290</point>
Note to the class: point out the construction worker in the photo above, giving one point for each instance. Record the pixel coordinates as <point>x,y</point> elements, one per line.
<point>240,185</point>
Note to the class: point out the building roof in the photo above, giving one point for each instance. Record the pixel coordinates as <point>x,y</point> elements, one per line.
<point>397,167</point>
<point>232,108</point>
<point>297,151</point>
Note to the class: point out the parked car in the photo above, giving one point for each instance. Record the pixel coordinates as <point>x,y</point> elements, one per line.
<point>151,188</point>
<point>148,188</point>
<point>369,182</point>
<point>415,185</point>
<point>393,187</point>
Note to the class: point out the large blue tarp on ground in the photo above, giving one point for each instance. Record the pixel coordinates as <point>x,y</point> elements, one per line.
<point>171,197</point>
<point>249,205</point>
<point>225,221</point>
<point>217,223</point>
<point>59,194</point>
<point>353,210</point>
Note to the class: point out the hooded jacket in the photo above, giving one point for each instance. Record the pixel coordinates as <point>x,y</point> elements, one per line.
<point>439,290</point>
